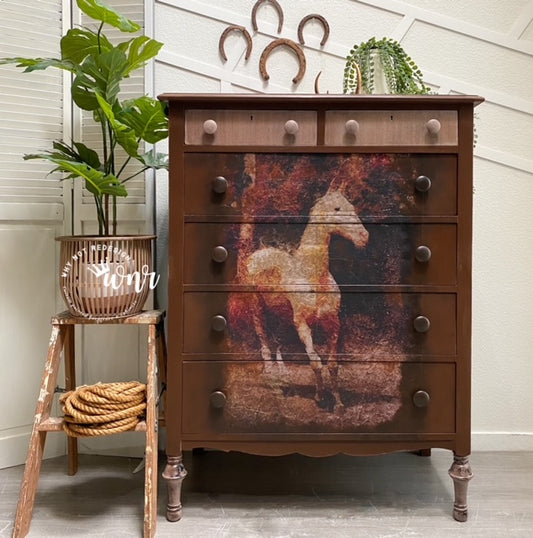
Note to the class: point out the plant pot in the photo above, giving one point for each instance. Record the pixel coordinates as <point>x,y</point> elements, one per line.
<point>380,85</point>
<point>106,277</point>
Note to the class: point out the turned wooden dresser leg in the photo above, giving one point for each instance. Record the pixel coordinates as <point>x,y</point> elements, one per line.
<point>461,473</point>
<point>174,474</point>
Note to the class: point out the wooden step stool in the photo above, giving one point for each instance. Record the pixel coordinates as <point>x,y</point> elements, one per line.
<point>62,340</point>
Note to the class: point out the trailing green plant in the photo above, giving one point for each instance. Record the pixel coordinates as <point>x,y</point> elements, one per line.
<point>401,73</point>
<point>98,68</point>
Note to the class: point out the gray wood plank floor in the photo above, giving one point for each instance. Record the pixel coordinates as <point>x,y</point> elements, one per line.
<point>242,496</point>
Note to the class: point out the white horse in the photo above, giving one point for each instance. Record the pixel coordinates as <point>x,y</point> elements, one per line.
<point>313,294</point>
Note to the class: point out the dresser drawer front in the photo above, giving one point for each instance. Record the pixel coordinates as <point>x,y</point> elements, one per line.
<point>405,254</point>
<point>249,397</point>
<point>357,325</point>
<point>250,127</point>
<point>391,127</point>
<point>283,185</point>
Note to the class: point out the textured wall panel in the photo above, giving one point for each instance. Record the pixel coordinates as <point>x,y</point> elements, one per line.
<point>480,47</point>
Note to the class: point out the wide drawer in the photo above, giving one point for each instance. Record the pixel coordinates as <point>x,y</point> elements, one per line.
<point>297,324</point>
<point>248,397</point>
<point>391,127</point>
<point>282,185</point>
<point>251,127</point>
<point>298,254</point>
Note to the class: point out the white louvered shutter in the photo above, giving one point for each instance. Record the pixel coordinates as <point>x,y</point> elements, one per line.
<point>32,215</point>
<point>134,211</point>
<point>31,110</point>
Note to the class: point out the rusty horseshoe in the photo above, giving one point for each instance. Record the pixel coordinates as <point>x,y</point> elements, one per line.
<point>317,90</point>
<point>276,6</point>
<point>224,35</point>
<point>294,47</point>
<point>305,20</point>
<point>359,87</point>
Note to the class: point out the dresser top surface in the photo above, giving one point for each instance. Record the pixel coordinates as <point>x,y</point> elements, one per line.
<point>291,100</point>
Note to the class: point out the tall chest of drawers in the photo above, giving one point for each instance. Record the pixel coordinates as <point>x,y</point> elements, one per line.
<point>319,277</point>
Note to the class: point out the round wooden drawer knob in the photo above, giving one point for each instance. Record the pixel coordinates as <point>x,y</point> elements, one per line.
<point>291,127</point>
<point>422,184</point>
<point>219,323</point>
<point>422,254</point>
<point>219,185</point>
<point>421,398</point>
<point>219,254</point>
<point>217,399</point>
<point>210,127</point>
<point>421,324</point>
<point>433,126</point>
<point>352,127</point>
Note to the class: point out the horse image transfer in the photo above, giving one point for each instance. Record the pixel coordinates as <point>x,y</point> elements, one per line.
<point>306,269</point>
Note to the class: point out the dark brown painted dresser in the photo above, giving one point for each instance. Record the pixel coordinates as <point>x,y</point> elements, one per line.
<point>319,277</point>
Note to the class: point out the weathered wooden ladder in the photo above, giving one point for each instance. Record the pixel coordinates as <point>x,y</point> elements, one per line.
<point>62,341</point>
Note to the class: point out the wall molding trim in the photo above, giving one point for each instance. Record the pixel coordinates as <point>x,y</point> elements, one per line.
<point>502,442</point>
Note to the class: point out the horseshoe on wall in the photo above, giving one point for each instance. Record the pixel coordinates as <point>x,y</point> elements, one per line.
<point>305,20</point>
<point>276,6</point>
<point>224,35</point>
<point>359,87</point>
<point>294,47</point>
<point>317,90</point>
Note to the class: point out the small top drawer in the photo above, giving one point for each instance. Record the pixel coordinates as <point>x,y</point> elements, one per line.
<point>391,127</point>
<point>250,127</point>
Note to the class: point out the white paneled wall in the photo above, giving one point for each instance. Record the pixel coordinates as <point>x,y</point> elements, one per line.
<point>480,47</point>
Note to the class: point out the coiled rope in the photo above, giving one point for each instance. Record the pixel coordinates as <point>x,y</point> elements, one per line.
<point>103,408</point>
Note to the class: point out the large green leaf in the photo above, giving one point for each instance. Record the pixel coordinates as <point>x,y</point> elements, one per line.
<point>125,135</point>
<point>146,116</point>
<point>87,155</point>
<point>154,160</point>
<point>102,73</point>
<point>100,11</point>
<point>78,43</point>
<point>35,64</point>
<point>140,50</point>
<point>77,152</point>
<point>96,181</point>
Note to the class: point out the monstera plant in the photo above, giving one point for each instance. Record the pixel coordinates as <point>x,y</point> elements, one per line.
<point>98,68</point>
<point>105,276</point>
